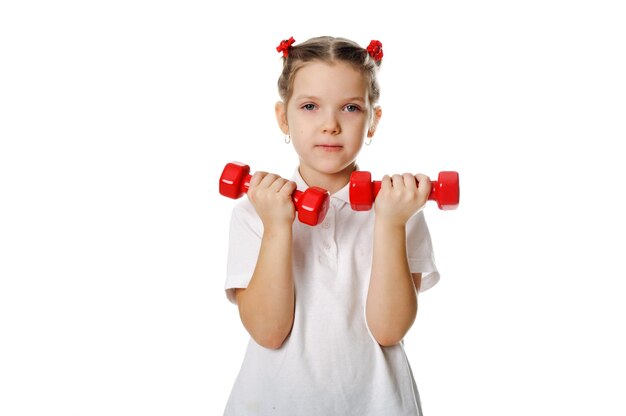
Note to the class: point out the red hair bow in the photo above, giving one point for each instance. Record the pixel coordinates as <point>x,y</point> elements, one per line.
<point>375,49</point>
<point>285,45</point>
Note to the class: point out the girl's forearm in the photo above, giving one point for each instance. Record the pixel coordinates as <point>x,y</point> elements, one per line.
<point>392,298</point>
<point>267,305</point>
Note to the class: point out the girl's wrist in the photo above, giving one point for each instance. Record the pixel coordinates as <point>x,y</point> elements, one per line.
<point>278,229</point>
<point>389,224</point>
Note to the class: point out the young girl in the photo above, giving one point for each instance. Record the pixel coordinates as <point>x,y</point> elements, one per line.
<point>327,306</point>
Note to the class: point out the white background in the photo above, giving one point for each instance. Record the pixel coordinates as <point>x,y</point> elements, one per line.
<point>117,117</point>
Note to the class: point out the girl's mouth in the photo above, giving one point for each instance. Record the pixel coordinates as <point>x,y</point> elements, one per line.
<point>329,147</point>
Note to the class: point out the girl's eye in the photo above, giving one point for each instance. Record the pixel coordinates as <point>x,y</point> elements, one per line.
<point>351,108</point>
<point>309,107</point>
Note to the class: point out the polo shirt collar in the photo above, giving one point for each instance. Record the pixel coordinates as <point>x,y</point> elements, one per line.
<point>343,194</point>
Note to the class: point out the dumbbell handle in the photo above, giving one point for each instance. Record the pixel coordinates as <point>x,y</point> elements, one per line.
<point>435,185</point>
<point>245,185</point>
<point>445,190</point>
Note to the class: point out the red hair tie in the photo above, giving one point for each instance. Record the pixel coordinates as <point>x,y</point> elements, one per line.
<point>284,46</point>
<point>375,49</point>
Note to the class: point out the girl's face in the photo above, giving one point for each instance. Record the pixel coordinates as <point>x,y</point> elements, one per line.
<point>327,118</point>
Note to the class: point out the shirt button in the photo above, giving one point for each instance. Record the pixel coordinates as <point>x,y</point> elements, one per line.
<point>326,225</point>
<point>326,246</point>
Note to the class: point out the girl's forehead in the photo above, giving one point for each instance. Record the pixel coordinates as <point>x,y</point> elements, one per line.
<point>337,78</point>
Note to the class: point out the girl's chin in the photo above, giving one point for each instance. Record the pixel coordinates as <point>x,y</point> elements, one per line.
<point>329,167</point>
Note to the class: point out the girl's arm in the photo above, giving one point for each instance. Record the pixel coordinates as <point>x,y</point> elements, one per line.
<point>266,306</point>
<point>392,295</point>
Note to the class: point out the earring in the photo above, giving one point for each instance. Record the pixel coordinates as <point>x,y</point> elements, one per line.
<point>368,142</point>
<point>287,138</point>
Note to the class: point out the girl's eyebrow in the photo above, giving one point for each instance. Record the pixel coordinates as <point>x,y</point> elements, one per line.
<point>314,98</point>
<point>361,99</point>
<point>306,97</point>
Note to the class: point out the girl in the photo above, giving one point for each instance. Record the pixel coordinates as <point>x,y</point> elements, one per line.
<point>327,306</point>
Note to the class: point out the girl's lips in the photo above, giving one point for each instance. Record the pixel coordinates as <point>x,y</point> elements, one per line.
<point>329,147</point>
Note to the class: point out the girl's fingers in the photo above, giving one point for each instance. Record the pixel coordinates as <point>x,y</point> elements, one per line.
<point>257,177</point>
<point>386,181</point>
<point>424,184</point>
<point>409,180</point>
<point>275,183</point>
<point>397,181</point>
<point>288,187</point>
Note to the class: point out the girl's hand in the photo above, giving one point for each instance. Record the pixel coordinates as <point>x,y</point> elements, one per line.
<point>400,197</point>
<point>271,197</point>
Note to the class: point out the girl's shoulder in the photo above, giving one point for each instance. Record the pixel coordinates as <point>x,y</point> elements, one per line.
<point>244,215</point>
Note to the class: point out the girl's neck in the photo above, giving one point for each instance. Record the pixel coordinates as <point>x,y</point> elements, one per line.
<point>332,182</point>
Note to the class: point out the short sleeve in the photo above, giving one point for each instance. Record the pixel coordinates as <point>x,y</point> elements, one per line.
<point>244,243</point>
<point>420,251</point>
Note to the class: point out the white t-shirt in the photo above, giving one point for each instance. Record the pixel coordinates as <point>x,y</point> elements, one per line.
<point>330,364</point>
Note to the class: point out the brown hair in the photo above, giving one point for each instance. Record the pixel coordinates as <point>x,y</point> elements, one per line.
<point>329,50</point>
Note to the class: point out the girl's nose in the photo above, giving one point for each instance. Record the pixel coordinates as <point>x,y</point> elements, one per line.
<point>331,124</point>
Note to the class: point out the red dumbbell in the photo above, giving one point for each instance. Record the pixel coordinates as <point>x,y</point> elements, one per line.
<point>363,191</point>
<point>311,204</point>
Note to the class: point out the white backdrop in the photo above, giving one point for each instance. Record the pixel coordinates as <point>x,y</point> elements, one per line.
<point>116,119</point>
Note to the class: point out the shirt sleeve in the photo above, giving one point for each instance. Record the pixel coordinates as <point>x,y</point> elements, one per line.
<point>420,251</point>
<point>244,243</point>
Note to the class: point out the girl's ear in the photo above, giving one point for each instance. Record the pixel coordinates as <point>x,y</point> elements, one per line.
<point>281,117</point>
<point>378,113</point>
